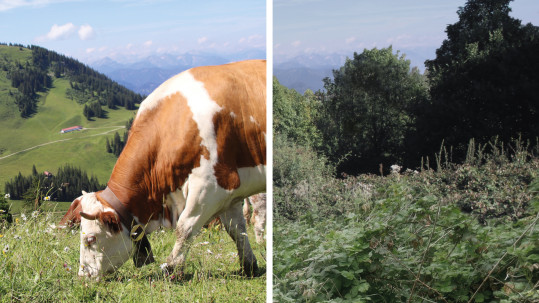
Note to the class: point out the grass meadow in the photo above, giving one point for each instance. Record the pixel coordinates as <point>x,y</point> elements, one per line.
<point>84,149</point>
<point>39,263</point>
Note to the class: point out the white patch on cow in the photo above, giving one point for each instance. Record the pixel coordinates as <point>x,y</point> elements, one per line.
<point>109,251</point>
<point>202,107</point>
<point>252,119</point>
<point>233,115</point>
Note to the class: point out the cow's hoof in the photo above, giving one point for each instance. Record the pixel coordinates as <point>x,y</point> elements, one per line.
<point>172,273</point>
<point>250,270</point>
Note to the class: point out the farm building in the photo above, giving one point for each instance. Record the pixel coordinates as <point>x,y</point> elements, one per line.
<point>70,129</point>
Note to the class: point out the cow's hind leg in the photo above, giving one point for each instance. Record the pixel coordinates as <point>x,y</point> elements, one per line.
<point>234,223</point>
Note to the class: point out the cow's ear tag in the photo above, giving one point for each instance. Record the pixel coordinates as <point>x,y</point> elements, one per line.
<point>137,232</point>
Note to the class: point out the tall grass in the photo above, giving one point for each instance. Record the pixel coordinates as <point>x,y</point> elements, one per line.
<point>39,263</point>
<point>460,233</point>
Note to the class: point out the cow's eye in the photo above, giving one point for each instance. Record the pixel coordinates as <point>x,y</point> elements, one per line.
<point>90,239</point>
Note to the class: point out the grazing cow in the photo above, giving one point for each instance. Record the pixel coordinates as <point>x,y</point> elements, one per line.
<point>196,149</point>
<point>258,217</point>
<point>72,216</point>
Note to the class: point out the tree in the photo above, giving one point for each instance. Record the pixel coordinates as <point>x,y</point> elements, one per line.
<point>295,115</point>
<point>367,109</point>
<point>484,80</point>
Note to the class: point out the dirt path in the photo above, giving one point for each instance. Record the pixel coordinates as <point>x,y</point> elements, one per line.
<point>62,140</point>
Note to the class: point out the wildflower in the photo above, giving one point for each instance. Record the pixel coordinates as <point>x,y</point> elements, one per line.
<point>204,243</point>
<point>23,217</point>
<point>35,213</point>
<point>16,220</point>
<point>7,196</point>
<point>1,236</point>
<point>209,251</point>
<point>17,237</point>
<point>66,249</point>
<point>47,198</point>
<point>6,249</point>
<point>67,267</point>
<point>2,211</point>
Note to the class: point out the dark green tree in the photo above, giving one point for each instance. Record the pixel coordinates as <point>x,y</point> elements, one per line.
<point>484,80</point>
<point>367,108</point>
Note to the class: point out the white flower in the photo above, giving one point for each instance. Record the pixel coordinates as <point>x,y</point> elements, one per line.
<point>17,237</point>
<point>2,211</point>
<point>6,249</point>
<point>23,216</point>
<point>7,196</point>
<point>164,266</point>
<point>73,231</point>
<point>47,198</point>
<point>209,251</point>
<point>66,249</point>
<point>35,213</point>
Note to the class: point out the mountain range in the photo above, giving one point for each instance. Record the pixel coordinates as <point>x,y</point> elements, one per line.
<point>144,75</point>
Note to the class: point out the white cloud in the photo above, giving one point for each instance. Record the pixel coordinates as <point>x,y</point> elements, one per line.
<point>202,40</point>
<point>148,43</point>
<point>350,40</point>
<point>296,43</point>
<point>86,32</point>
<point>90,50</point>
<point>67,31</point>
<point>59,32</point>
<point>6,5</point>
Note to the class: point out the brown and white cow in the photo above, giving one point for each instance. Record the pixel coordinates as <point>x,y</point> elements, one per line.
<point>258,216</point>
<point>196,149</point>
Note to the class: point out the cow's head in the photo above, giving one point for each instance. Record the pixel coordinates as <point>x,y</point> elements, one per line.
<point>105,243</point>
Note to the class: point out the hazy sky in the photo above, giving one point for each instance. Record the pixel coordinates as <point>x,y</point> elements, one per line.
<point>416,27</point>
<point>124,29</point>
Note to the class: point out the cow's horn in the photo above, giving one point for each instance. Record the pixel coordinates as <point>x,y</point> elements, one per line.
<point>89,216</point>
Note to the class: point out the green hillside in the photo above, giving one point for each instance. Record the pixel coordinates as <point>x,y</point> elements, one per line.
<point>37,138</point>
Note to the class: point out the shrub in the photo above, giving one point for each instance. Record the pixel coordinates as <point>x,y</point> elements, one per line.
<point>5,215</point>
<point>300,178</point>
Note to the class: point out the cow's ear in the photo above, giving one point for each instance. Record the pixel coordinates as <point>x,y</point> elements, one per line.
<point>84,193</point>
<point>111,221</point>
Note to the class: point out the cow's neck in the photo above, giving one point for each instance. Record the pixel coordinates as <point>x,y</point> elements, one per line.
<point>133,182</point>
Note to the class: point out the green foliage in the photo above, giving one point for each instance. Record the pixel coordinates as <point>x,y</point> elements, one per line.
<point>408,240</point>
<point>39,263</point>
<point>5,212</point>
<point>299,178</point>
<point>117,145</point>
<point>366,109</point>
<point>483,80</point>
<point>66,185</point>
<point>295,115</point>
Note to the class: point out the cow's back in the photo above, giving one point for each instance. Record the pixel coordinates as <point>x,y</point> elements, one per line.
<point>207,120</point>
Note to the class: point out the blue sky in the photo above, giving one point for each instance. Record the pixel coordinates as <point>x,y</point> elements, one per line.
<point>416,27</point>
<point>127,30</point>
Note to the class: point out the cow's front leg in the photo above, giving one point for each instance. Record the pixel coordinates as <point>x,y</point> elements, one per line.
<point>189,224</point>
<point>234,223</point>
<point>186,230</point>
